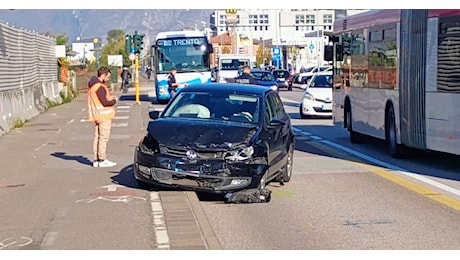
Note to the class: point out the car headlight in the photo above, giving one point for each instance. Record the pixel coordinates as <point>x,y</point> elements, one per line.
<point>240,154</point>
<point>308,96</point>
<point>274,87</point>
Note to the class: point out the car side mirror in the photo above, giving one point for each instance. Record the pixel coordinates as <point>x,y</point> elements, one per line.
<point>154,114</point>
<point>275,123</point>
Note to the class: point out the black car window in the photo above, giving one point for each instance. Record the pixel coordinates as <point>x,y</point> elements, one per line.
<point>281,74</point>
<point>321,81</point>
<point>215,106</point>
<point>269,111</point>
<point>263,76</point>
<point>274,108</point>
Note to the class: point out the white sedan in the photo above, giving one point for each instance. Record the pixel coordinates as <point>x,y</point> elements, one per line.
<point>317,101</point>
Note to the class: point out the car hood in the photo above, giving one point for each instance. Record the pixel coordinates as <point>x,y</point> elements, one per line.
<point>200,134</point>
<point>321,93</point>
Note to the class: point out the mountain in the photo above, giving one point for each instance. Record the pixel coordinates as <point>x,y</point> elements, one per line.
<point>90,23</point>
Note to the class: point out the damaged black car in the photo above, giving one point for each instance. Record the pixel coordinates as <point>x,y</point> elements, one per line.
<point>217,138</point>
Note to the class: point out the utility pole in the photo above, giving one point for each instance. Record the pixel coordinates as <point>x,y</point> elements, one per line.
<point>138,42</point>
<point>136,81</point>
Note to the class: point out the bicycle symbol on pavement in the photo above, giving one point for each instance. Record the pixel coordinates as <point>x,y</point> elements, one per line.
<point>17,241</point>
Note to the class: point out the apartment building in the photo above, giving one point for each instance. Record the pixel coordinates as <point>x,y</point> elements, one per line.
<point>299,34</point>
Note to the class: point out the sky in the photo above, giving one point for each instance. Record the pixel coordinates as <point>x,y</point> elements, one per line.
<point>221,4</point>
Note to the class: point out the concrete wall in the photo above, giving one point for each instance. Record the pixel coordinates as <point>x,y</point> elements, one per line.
<point>28,75</point>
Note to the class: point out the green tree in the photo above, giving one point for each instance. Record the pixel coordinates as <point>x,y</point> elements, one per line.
<point>262,55</point>
<point>115,46</point>
<point>115,35</point>
<point>61,39</point>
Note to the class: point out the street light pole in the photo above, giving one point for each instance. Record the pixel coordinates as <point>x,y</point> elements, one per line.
<point>318,42</point>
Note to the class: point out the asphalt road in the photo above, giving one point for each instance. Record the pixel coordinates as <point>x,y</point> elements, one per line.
<point>341,196</point>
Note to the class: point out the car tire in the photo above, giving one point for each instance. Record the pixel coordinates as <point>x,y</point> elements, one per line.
<point>302,115</point>
<point>263,181</point>
<point>287,171</point>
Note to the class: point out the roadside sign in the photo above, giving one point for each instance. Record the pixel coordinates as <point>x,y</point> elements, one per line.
<point>132,56</point>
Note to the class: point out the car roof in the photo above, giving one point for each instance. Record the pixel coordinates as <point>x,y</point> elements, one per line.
<point>228,88</point>
<point>324,72</point>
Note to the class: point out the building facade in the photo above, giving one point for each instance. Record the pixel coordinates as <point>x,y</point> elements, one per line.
<point>299,34</point>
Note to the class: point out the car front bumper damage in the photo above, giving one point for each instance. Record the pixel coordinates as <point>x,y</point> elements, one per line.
<point>207,175</point>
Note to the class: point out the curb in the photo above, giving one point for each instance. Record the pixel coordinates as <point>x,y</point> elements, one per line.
<point>209,237</point>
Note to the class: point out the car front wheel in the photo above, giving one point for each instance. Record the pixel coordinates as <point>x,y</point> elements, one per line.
<point>302,115</point>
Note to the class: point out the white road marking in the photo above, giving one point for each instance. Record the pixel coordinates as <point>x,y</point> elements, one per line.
<point>70,122</point>
<point>122,111</point>
<point>121,117</point>
<point>387,165</point>
<point>119,124</point>
<point>161,232</point>
<point>118,107</point>
<point>13,240</point>
<point>111,187</point>
<point>49,239</point>
<point>40,147</point>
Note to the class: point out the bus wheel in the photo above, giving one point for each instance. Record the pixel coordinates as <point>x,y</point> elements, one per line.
<point>395,149</point>
<point>354,136</point>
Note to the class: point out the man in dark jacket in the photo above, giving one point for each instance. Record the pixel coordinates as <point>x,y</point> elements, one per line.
<point>172,84</point>
<point>125,76</point>
<point>246,77</point>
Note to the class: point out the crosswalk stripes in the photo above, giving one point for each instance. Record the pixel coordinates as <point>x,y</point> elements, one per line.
<point>121,109</point>
<point>116,121</point>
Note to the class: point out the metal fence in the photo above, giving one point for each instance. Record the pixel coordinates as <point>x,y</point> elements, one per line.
<point>28,74</point>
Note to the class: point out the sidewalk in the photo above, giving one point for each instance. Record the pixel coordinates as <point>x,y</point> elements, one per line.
<point>49,162</point>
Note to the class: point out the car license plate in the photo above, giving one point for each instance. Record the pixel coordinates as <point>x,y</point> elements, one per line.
<point>326,107</point>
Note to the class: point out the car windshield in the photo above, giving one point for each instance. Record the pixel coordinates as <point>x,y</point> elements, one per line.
<point>215,106</point>
<point>281,73</point>
<point>321,81</point>
<point>263,76</point>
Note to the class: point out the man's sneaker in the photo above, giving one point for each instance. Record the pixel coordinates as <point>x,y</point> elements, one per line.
<point>96,163</point>
<point>106,163</point>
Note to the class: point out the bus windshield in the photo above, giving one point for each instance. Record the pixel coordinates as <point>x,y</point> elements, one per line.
<point>185,54</point>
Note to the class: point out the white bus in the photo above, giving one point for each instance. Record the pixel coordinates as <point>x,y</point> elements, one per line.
<point>397,78</point>
<point>188,52</point>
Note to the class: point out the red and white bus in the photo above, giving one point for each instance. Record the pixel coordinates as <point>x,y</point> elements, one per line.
<point>397,78</point>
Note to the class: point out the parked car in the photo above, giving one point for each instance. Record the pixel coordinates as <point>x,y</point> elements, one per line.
<point>317,101</point>
<point>263,78</point>
<point>282,77</point>
<point>217,138</point>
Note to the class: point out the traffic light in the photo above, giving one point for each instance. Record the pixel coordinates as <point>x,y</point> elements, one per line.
<point>138,41</point>
<point>128,43</point>
<point>231,11</point>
